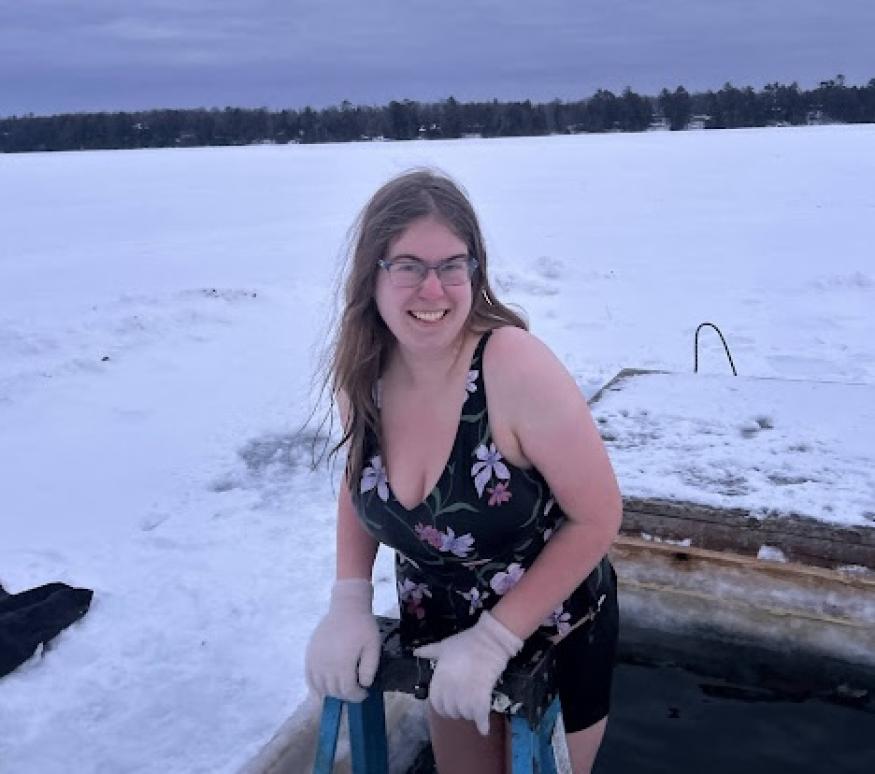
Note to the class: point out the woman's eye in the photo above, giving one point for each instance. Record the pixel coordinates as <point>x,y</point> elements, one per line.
<point>407,267</point>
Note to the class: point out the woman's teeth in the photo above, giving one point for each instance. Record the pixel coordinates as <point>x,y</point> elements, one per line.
<point>429,316</point>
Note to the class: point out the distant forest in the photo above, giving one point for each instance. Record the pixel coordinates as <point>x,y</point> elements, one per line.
<point>833,101</point>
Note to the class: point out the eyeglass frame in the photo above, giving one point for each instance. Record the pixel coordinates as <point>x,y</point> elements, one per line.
<point>472,263</point>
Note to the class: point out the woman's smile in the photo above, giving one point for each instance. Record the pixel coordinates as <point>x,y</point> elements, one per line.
<point>429,316</point>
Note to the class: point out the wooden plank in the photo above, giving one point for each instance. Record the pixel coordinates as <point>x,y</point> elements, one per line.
<point>800,539</point>
<point>631,548</point>
<point>692,594</point>
<point>620,377</point>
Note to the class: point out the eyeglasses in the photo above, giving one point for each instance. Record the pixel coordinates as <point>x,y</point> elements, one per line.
<point>411,272</point>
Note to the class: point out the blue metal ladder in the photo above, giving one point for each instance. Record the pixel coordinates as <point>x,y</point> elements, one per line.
<point>526,687</point>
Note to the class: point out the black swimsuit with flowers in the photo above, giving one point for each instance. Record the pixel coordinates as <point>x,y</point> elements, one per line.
<point>474,536</point>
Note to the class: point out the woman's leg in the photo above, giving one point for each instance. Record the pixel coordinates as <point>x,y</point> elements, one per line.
<point>459,748</point>
<point>583,746</point>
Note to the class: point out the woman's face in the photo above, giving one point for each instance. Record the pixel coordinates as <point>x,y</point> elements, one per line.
<point>429,316</point>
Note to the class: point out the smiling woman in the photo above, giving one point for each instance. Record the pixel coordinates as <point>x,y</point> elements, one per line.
<point>365,340</point>
<point>472,453</point>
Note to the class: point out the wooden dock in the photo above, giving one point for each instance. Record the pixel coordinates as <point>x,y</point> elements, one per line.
<point>703,579</point>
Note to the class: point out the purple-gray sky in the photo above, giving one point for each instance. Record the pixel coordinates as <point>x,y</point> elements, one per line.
<point>83,55</point>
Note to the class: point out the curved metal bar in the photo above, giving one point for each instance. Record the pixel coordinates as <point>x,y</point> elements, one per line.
<point>696,347</point>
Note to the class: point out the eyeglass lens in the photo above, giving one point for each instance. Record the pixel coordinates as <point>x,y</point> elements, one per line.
<point>409,273</point>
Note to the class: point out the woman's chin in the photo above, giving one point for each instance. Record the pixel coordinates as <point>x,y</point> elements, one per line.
<point>417,333</point>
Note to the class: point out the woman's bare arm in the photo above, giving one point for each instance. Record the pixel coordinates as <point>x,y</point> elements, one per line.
<point>356,548</point>
<point>551,420</point>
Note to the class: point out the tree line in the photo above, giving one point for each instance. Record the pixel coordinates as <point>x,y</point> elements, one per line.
<point>776,104</point>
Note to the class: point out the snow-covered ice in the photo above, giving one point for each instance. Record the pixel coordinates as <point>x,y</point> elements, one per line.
<point>160,314</point>
<point>772,446</point>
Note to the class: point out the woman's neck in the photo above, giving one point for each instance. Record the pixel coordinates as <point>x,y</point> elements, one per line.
<point>427,371</point>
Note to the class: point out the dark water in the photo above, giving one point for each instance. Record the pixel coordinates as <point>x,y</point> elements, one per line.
<point>667,719</point>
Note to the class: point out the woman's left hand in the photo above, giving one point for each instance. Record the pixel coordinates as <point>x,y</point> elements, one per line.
<point>468,667</point>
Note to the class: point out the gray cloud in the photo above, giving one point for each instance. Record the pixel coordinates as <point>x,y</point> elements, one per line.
<point>73,55</point>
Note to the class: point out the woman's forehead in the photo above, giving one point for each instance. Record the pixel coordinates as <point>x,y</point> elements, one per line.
<point>428,238</point>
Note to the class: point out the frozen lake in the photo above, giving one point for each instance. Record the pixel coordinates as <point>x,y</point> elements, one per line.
<point>160,313</point>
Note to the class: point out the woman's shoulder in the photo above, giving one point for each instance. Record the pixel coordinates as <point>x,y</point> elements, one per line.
<point>527,387</point>
<point>514,352</point>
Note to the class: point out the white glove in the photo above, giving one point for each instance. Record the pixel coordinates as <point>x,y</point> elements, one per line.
<point>468,667</point>
<point>344,650</point>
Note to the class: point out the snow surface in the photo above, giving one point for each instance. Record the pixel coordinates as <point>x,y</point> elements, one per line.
<point>773,446</point>
<point>160,316</point>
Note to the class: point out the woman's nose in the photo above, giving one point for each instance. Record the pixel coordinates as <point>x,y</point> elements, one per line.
<point>431,286</point>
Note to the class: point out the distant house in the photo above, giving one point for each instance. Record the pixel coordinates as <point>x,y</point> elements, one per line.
<point>699,121</point>
<point>432,130</point>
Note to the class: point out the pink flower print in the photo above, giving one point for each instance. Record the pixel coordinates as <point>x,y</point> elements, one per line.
<point>474,597</point>
<point>559,618</point>
<point>489,464</point>
<point>471,382</point>
<point>499,493</point>
<point>375,476</point>
<point>410,595</point>
<point>447,542</point>
<point>430,535</point>
<point>502,582</point>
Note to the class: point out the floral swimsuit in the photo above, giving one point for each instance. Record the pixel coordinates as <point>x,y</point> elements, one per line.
<point>474,536</point>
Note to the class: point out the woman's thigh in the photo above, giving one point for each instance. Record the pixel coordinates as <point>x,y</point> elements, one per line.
<point>583,746</point>
<point>459,748</point>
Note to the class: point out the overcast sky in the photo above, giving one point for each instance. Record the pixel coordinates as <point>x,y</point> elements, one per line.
<point>82,55</point>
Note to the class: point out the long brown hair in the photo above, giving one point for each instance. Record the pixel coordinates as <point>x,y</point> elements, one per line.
<point>361,341</point>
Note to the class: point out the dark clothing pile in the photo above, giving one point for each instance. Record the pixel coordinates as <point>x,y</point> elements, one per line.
<point>35,617</point>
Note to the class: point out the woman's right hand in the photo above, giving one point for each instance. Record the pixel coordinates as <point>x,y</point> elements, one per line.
<point>344,650</point>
